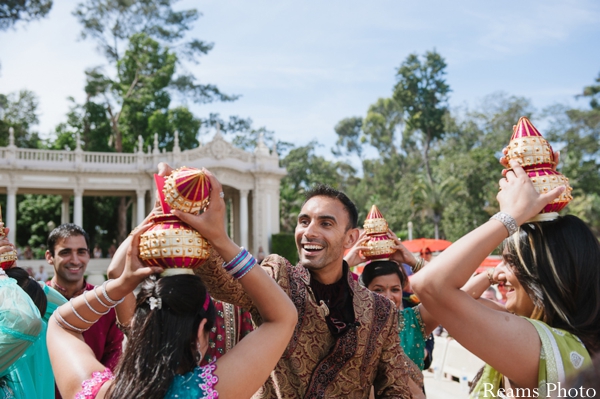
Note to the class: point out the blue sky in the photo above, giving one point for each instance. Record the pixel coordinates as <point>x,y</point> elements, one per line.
<point>303,66</point>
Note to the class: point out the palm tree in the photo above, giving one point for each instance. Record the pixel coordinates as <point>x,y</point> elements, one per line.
<point>431,198</point>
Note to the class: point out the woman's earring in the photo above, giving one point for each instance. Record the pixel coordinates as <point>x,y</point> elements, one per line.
<point>199,349</point>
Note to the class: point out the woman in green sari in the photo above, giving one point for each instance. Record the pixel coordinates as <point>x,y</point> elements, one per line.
<point>387,278</point>
<point>551,273</point>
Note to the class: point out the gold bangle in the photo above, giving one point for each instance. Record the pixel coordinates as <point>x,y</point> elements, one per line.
<point>419,265</point>
<point>490,276</point>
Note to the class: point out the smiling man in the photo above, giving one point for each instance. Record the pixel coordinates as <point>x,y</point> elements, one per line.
<point>69,253</point>
<point>346,339</point>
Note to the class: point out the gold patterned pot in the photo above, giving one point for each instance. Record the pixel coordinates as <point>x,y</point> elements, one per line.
<point>173,245</point>
<point>380,247</point>
<point>8,259</point>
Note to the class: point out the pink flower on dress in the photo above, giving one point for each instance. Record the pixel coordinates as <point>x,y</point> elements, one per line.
<point>210,380</point>
<point>90,388</point>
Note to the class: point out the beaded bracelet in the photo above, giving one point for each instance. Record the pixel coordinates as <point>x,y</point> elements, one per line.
<point>78,315</point>
<point>508,221</point>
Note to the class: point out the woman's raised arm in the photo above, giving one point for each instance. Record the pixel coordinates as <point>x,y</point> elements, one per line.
<point>507,342</point>
<point>244,369</point>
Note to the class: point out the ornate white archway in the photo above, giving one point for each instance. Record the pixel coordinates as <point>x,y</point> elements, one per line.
<point>251,180</point>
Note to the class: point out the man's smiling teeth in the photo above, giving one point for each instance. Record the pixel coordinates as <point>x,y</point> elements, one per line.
<point>312,247</point>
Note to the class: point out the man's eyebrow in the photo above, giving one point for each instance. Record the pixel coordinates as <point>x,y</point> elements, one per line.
<point>320,217</point>
<point>327,217</point>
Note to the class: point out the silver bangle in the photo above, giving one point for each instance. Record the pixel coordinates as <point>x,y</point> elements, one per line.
<point>77,314</point>
<point>90,306</point>
<point>105,294</point>
<point>100,301</point>
<point>508,221</point>
<point>2,272</point>
<point>65,324</point>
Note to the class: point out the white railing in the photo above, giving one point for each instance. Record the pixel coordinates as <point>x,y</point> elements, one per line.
<point>42,155</point>
<point>78,158</point>
<point>110,158</point>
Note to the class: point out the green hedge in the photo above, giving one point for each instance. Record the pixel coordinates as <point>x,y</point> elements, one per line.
<point>284,244</point>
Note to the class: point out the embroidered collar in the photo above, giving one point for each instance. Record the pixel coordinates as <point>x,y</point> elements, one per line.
<point>63,290</point>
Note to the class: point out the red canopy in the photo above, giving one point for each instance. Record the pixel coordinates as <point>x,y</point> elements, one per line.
<point>421,243</point>
<point>489,262</point>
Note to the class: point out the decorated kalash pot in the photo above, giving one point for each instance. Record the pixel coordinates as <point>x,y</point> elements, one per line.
<point>169,242</point>
<point>380,245</point>
<point>536,156</point>
<point>7,259</point>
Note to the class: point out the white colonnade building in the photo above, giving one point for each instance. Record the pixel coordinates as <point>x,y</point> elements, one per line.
<point>250,180</point>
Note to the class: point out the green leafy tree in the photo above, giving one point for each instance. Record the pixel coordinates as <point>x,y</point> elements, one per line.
<point>19,111</point>
<point>90,121</point>
<point>381,125</point>
<point>350,137</point>
<point>432,198</point>
<point>593,92</point>
<point>305,168</point>
<point>13,11</point>
<point>112,24</point>
<point>422,92</point>
<point>37,215</point>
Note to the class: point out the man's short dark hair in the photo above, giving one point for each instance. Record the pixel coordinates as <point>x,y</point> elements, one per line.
<point>323,190</point>
<point>65,231</point>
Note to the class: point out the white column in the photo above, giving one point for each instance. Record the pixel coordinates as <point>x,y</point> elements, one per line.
<point>141,204</point>
<point>78,207</point>
<point>153,193</point>
<point>269,232</point>
<point>11,213</point>
<point>244,218</point>
<point>133,214</point>
<point>64,215</point>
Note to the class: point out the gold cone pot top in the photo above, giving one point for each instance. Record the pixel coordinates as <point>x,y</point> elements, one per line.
<point>187,189</point>
<point>379,244</point>
<point>375,223</point>
<point>528,146</point>
<point>532,151</point>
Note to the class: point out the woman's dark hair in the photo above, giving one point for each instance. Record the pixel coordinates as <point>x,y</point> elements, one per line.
<point>162,342</point>
<point>31,287</point>
<point>383,268</point>
<point>557,263</point>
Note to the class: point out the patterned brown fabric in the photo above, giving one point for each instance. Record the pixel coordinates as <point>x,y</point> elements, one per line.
<point>314,364</point>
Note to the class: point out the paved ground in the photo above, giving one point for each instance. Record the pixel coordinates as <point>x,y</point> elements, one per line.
<point>442,388</point>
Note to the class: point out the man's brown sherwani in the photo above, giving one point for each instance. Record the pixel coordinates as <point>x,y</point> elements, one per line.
<point>315,364</point>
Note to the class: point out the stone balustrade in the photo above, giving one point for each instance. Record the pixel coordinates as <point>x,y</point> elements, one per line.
<point>251,180</point>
